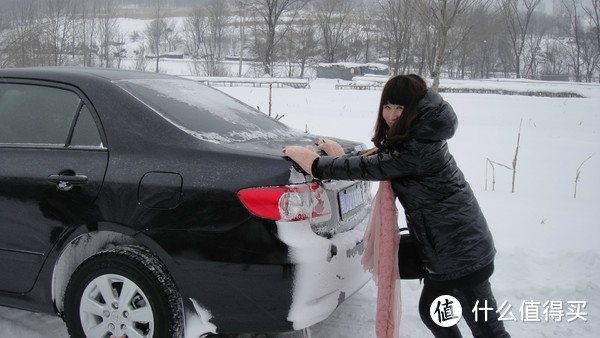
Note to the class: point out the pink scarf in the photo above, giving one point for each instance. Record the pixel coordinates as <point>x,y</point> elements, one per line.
<point>381,259</point>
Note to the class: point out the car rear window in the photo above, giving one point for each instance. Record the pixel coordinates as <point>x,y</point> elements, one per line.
<point>204,112</point>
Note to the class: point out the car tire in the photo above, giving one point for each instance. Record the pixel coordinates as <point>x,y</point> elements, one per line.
<point>119,290</point>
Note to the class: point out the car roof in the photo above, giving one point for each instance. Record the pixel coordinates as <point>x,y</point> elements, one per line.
<point>76,74</point>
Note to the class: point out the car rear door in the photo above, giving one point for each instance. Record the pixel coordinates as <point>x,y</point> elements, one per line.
<point>52,164</point>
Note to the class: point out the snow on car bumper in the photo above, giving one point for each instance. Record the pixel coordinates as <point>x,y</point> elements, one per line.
<point>327,271</point>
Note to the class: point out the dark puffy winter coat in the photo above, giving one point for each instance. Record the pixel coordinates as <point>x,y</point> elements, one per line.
<point>441,210</point>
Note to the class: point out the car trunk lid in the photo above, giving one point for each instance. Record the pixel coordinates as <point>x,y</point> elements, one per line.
<point>349,201</point>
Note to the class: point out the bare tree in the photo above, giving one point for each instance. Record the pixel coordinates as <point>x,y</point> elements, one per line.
<point>219,20</point>
<point>288,50</point>
<point>58,20</point>
<point>171,40</point>
<point>155,31</point>
<point>593,12</point>
<point>553,56</point>
<point>482,48</point>
<point>193,29</point>
<point>205,31</point>
<point>140,62</point>
<point>87,30</point>
<point>241,6</point>
<point>266,39</point>
<point>594,15</point>
<point>590,58</point>
<point>301,45</point>
<point>357,41</point>
<point>397,31</point>
<point>539,29</point>
<point>575,31</point>
<point>445,16</point>
<point>108,30</point>
<point>307,46</point>
<point>518,14</point>
<point>333,19</point>
<point>22,44</point>
<point>366,31</point>
<point>423,45</point>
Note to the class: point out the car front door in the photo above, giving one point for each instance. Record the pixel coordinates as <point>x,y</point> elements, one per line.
<point>52,164</point>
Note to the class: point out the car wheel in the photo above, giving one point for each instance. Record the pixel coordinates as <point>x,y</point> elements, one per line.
<point>123,292</point>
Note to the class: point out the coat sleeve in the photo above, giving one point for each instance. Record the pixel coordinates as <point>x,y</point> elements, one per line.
<point>418,158</point>
<point>357,153</point>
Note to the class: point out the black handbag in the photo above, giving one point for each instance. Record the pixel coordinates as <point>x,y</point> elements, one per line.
<point>409,261</point>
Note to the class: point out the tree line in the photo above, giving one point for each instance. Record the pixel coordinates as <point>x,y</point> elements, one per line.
<point>436,38</point>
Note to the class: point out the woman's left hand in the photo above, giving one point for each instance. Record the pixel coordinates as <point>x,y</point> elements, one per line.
<point>303,156</point>
<point>330,147</point>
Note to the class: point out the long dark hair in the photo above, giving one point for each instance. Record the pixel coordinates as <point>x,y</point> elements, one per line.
<point>404,90</point>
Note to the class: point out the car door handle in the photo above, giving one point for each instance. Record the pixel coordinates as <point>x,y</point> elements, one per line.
<point>66,182</point>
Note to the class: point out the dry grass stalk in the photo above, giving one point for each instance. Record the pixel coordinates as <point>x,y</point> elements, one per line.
<point>578,173</point>
<point>492,163</point>
<point>487,160</point>
<point>513,168</point>
<point>514,163</point>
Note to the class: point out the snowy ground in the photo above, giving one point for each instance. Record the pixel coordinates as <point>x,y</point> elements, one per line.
<point>546,238</point>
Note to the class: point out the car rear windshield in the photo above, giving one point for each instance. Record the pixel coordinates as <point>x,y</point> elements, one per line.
<point>204,112</point>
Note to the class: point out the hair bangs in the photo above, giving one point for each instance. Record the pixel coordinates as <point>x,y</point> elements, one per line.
<point>398,92</point>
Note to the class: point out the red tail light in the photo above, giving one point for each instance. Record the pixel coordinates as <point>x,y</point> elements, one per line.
<point>288,203</point>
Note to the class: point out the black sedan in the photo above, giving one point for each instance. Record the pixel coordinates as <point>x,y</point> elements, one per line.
<point>135,204</point>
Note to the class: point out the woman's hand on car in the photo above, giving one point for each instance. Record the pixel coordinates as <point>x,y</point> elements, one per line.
<point>330,147</point>
<point>303,156</point>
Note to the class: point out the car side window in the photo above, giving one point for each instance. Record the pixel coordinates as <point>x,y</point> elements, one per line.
<point>33,114</point>
<point>85,132</point>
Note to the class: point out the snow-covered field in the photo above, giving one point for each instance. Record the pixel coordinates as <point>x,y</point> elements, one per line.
<point>548,260</point>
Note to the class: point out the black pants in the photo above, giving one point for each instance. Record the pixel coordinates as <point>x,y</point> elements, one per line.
<point>468,291</point>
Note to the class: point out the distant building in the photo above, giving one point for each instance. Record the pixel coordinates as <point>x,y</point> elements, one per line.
<point>347,70</point>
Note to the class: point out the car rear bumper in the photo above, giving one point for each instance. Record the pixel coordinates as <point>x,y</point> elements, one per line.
<point>326,271</point>
<point>304,280</point>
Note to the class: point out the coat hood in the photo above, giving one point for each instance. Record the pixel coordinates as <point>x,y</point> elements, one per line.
<point>437,120</point>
